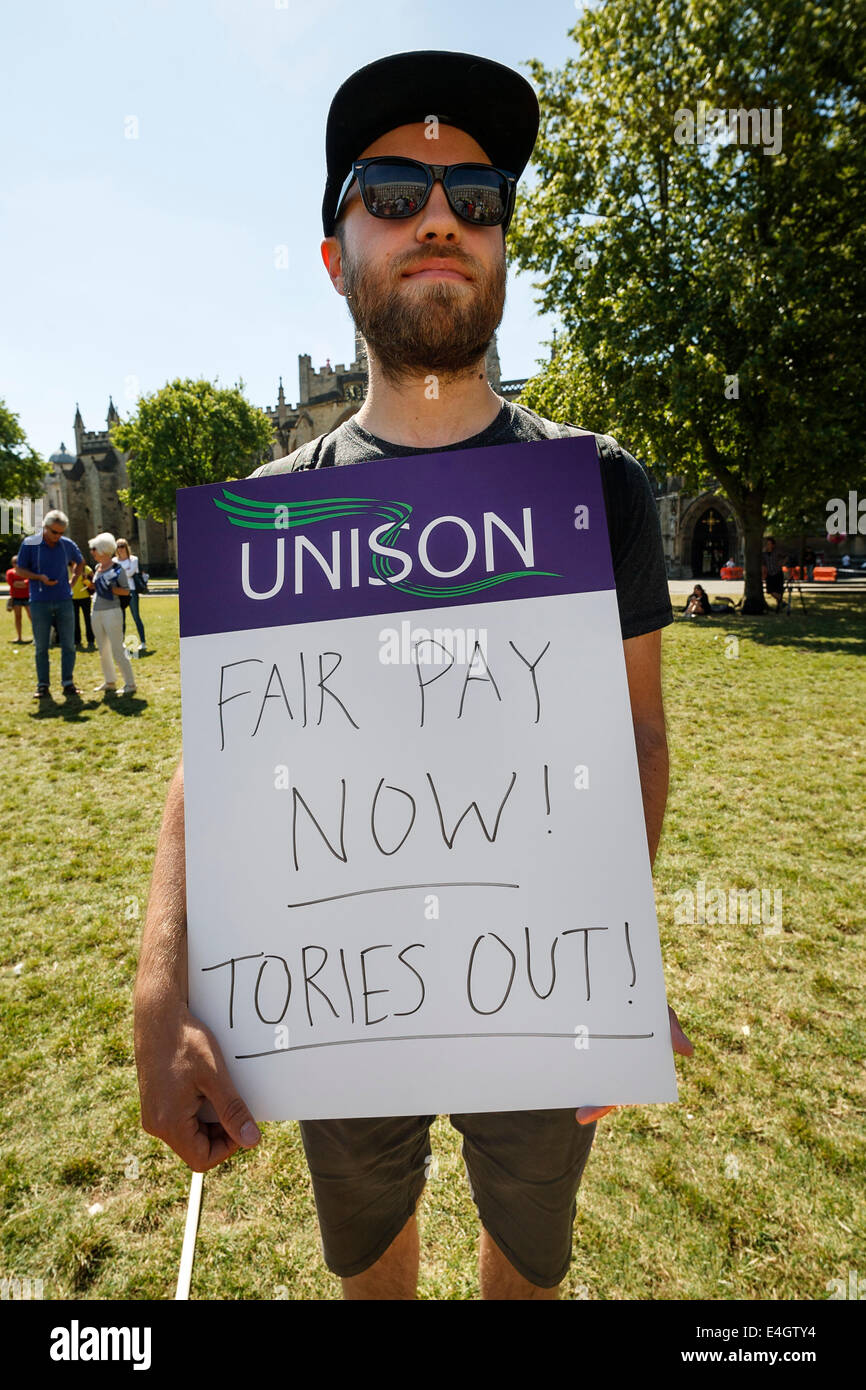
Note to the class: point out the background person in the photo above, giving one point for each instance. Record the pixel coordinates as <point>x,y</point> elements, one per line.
<point>19,598</point>
<point>772,571</point>
<point>698,604</point>
<point>131,567</point>
<point>82,599</point>
<point>44,559</point>
<point>111,583</point>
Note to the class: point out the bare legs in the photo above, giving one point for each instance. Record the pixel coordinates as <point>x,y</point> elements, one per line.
<point>395,1274</point>
<point>499,1278</point>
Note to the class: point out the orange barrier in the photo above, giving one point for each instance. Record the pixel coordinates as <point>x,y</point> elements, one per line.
<point>731,572</point>
<point>827,573</point>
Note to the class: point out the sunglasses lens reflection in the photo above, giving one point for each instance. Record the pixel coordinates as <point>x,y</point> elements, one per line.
<point>394,190</point>
<point>476,193</point>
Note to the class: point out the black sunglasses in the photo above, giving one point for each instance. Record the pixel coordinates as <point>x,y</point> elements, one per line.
<point>393,188</point>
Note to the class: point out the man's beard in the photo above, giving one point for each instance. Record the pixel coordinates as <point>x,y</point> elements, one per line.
<point>442,329</point>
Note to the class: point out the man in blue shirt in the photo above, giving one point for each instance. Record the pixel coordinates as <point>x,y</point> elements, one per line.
<point>44,559</point>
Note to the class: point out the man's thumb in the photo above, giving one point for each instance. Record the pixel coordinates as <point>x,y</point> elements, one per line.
<point>234,1115</point>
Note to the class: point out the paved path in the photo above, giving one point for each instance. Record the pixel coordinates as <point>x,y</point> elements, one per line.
<point>678,587</point>
<point>734,587</point>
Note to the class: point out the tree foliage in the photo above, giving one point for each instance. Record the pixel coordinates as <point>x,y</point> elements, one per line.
<point>188,433</point>
<point>22,470</point>
<point>712,294</point>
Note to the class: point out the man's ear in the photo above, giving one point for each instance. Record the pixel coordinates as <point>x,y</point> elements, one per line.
<point>332,255</point>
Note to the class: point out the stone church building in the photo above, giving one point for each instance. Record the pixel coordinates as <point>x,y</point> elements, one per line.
<point>85,484</point>
<point>699,533</point>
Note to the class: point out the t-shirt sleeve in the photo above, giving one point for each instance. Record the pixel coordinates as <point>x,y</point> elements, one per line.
<point>73,554</point>
<point>27,557</point>
<point>638,554</point>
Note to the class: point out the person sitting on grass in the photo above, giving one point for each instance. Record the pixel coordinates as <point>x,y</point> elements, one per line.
<point>698,603</point>
<point>110,583</point>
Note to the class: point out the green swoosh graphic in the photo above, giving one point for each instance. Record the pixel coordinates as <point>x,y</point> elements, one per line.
<point>262,516</point>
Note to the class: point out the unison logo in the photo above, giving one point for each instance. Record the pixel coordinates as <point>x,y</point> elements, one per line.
<point>387,564</point>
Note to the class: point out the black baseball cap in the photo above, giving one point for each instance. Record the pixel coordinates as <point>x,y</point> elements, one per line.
<point>489,101</point>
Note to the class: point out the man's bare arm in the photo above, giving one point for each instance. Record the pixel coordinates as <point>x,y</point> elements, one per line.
<point>180,1066</point>
<point>643,670</point>
<point>162,965</point>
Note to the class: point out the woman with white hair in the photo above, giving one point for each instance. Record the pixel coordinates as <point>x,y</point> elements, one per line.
<point>110,583</point>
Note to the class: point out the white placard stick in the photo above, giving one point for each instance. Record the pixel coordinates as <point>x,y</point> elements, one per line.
<point>187,1254</point>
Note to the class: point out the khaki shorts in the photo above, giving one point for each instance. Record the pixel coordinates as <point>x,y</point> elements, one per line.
<point>524,1169</point>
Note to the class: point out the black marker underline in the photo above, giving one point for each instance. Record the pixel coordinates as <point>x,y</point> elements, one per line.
<point>421,1037</point>
<point>400,888</point>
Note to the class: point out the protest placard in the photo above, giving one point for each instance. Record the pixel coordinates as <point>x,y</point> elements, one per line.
<point>417,870</point>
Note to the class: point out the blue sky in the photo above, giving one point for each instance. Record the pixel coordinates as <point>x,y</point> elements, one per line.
<point>127,261</point>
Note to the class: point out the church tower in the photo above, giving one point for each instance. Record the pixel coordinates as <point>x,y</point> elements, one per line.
<point>491,363</point>
<point>360,358</point>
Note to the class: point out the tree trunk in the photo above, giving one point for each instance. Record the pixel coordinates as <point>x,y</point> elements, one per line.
<point>752,518</point>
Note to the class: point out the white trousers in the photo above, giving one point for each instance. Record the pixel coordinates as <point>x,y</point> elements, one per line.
<point>108,631</point>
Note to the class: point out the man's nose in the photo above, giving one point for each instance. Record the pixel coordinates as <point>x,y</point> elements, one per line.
<point>436,219</point>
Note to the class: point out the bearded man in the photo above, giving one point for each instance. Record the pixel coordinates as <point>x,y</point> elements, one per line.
<point>424,151</point>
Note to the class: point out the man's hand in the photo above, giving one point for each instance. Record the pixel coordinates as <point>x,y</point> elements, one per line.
<point>43,579</point>
<point>180,1067</point>
<point>681,1044</point>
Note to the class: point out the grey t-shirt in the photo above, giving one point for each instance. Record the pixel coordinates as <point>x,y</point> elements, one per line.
<point>632,516</point>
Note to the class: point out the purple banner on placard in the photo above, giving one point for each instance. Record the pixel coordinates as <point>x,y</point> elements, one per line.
<point>393,535</point>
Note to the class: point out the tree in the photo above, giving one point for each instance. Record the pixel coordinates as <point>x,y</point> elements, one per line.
<point>188,433</point>
<point>22,470</point>
<point>712,294</point>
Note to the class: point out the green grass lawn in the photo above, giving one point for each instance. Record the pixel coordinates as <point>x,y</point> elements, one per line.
<point>752,1187</point>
